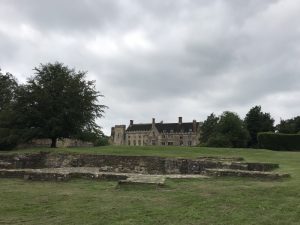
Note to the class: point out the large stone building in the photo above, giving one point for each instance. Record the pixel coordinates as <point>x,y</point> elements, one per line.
<point>180,134</point>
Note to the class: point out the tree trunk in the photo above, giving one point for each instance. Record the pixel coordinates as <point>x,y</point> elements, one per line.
<point>53,142</point>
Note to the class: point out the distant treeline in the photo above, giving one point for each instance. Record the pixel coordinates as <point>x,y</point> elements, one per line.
<point>229,130</point>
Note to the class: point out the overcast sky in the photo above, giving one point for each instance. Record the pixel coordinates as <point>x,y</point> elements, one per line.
<point>164,58</point>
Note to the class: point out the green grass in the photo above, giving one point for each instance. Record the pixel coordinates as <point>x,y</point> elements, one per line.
<point>209,201</point>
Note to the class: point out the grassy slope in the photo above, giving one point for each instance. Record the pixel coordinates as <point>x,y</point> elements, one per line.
<point>211,201</point>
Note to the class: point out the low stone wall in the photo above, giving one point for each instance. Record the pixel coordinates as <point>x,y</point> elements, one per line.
<point>126,164</point>
<point>62,143</point>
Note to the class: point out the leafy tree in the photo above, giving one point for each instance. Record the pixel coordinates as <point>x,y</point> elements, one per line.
<point>9,135</point>
<point>8,86</point>
<point>290,126</point>
<point>232,128</point>
<point>256,121</point>
<point>57,102</point>
<point>208,128</point>
<point>219,140</point>
<point>226,130</point>
<point>102,141</point>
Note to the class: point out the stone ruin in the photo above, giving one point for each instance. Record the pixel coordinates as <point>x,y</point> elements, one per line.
<point>128,169</point>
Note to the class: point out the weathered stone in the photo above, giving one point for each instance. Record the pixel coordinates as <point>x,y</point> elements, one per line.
<point>144,179</point>
<point>217,158</point>
<point>245,173</point>
<point>127,164</point>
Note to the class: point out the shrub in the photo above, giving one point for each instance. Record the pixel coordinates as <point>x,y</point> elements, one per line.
<point>219,141</point>
<point>278,141</point>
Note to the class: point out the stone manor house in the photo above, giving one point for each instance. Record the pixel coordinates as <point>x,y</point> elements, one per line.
<point>179,134</point>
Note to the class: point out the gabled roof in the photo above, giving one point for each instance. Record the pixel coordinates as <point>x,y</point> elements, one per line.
<point>139,127</point>
<point>164,127</point>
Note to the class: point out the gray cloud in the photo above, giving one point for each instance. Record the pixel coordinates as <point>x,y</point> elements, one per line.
<point>163,59</point>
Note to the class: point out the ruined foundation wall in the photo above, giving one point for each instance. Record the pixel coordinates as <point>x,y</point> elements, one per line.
<point>124,164</point>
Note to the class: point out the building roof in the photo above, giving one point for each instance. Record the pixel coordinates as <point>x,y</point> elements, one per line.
<point>164,127</point>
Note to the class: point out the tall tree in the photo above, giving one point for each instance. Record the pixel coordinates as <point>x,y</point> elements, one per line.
<point>208,128</point>
<point>8,86</point>
<point>232,128</point>
<point>289,126</point>
<point>9,135</point>
<point>227,130</point>
<point>257,121</point>
<point>57,102</point>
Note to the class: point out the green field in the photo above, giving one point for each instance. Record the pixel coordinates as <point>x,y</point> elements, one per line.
<point>207,201</point>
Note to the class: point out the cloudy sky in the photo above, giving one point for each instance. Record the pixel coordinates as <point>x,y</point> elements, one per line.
<point>164,58</point>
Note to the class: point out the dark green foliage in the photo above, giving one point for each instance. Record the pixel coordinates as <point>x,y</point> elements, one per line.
<point>8,85</point>
<point>226,131</point>
<point>59,103</point>
<point>208,128</point>
<point>97,137</point>
<point>102,141</point>
<point>9,134</point>
<point>278,141</point>
<point>256,121</point>
<point>232,127</point>
<point>290,126</point>
<point>219,140</point>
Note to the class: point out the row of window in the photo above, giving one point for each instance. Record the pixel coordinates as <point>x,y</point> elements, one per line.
<point>153,142</point>
<point>163,136</point>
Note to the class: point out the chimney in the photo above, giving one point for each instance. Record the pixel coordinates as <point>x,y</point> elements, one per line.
<point>180,120</point>
<point>153,122</point>
<point>131,122</point>
<point>194,126</point>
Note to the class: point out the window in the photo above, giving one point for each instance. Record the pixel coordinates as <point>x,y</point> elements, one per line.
<point>153,142</point>
<point>139,136</point>
<point>181,137</point>
<point>181,143</point>
<point>189,143</point>
<point>163,136</point>
<point>139,142</point>
<point>134,142</point>
<point>128,142</point>
<point>128,136</point>
<point>170,143</point>
<point>163,143</point>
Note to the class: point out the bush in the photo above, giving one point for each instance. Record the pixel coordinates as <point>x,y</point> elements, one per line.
<point>219,141</point>
<point>278,141</point>
<point>102,141</point>
<point>8,139</point>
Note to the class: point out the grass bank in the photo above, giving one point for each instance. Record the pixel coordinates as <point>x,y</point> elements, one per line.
<point>209,201</point>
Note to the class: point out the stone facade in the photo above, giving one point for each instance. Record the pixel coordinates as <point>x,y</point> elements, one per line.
<point>161,134</point>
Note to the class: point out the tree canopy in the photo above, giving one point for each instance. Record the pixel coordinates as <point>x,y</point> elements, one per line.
<point>225,131</point>
<point>289,126</point>
<point>56,102</point>
<point>8,86</point>
<point>9,135</point>
<point>60,103</point>
<point>208,128</point>
<point>257,121</point>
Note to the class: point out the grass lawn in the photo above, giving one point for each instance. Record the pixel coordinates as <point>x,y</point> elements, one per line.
<point>208,201</point>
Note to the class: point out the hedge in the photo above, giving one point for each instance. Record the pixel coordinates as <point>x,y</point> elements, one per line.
<point>278,141</point>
